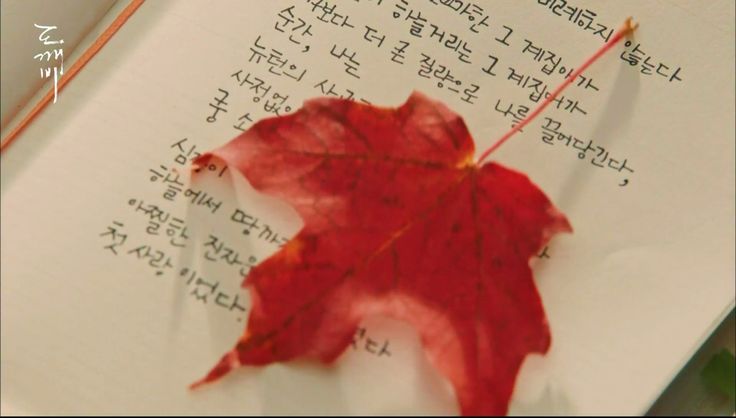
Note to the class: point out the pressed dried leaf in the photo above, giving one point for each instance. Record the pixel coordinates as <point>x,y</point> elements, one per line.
<point>398,221</point>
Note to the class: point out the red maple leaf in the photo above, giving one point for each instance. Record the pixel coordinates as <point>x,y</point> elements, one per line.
<point>399,221</point>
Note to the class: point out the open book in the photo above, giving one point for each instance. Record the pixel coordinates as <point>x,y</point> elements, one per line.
<point>121,279</point>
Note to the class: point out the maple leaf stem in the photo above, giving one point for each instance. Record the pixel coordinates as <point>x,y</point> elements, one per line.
<point>627,28</point>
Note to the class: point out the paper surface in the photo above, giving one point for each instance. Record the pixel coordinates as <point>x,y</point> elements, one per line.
<point>629,296</point>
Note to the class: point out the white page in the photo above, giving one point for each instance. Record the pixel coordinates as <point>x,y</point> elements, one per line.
<point>629,296</point>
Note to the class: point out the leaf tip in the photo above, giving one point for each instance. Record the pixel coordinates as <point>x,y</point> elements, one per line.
<point>227,363</point>
<point>293,249</point>
<point>201,162</point>
<point>196,385</point>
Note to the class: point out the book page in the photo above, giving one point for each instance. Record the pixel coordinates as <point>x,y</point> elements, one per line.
<point>121,278</point>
